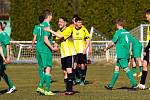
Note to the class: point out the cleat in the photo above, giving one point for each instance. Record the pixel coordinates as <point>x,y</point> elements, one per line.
<point>11,90</point>
<point>140,74</point>
<point>134,88</point>
<point>49,93</point>
<point>141,87</point>
<point>40,90</point>
<point>134,74</point>
<point>108,87</point>
<point>69,93</point>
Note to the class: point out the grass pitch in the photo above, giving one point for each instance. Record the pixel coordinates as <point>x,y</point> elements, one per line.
<point>25,79</point>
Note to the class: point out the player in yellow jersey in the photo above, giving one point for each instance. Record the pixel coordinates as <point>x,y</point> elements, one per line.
<point>67,51</point>
<point>146,54</point>
<point>81,38</point>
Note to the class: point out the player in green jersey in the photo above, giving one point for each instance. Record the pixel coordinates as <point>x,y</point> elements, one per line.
<point>121,40</point>
<point>37,31</point>
<point>5,43</point>
<point>136,52</point>
<point>44,51</point>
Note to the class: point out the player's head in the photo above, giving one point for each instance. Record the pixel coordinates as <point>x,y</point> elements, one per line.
<point>147,14</point>
<point>62,22</point>
<point>47,15</point>
<point>73,19</point>
<point>119,23</point>
<point>78,22</point>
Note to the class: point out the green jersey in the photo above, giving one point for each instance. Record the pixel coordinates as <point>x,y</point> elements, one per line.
<point>40,33</point>
<point>4,41</point>
<point>122,40</point>
<point>135,43</point>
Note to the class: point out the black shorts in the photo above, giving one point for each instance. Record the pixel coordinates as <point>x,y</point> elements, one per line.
<point>146,57</point>
<point>66,62</point>
<point>81,58</point>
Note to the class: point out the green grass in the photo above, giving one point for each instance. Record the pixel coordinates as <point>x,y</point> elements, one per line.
<point>25,79</point>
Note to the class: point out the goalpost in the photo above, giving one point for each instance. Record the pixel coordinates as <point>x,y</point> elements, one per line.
<point>23,52</point>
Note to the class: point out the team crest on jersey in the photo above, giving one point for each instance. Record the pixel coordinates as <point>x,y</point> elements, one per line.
<point>77,33</point>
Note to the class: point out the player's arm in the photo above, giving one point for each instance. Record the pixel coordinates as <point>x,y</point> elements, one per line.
<point>147,47</point>
<point>8,53</point>
<point>48,43</point>
<point>34,39</point>
<point>1,53</point>
<point>53,32</point>
<point>111,44</point>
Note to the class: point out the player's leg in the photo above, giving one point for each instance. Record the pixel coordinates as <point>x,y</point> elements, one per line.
<point>140,66</point>
<point>133,67</point>
<point>111,84</point>
<point>47,73</point>
<point>137,55</point>
<point>124,65</point>
<point>7,80</point>
<point>69,87</point>
<point>144,71</point>
<point>40,70</point>
<point>83,69</point>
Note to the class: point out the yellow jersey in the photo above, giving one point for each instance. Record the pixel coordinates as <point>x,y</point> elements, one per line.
<point>66,44</point>
<point>79,37</point>
<point>148,32</point>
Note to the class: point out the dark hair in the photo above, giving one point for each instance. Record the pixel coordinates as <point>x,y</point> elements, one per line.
<point>64,18</point>
<point>119,21</point>
<point>41,18</point>
<point>75,16</point>
<point>78,19</point>
<point>46,13</point>
<point>147,11</point>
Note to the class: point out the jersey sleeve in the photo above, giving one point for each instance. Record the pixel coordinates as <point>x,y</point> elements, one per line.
<point>6,39</point>
<point>67,33</point>
<point>35,30</point>
<point>115,37</point>
<point>87,34</point>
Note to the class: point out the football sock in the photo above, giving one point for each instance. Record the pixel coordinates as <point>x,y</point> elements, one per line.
<point>47,81</point>
<point>40,72</point>
<point>134,70</point>
<point>83,75</point>
<point>70,83</point>
<point>143,77</point>
<point>114,78</point>
<point>130,76</point>
<point>42,80</point>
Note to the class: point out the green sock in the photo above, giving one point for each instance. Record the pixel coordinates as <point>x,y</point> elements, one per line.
<point>140,68</point>
<point>114,78</point>
<point>40,72</point>
<point>48,82</point>
<point>42,80</point>
<point>8,81</point>
<point>134,70</point>
<point>130,76</point>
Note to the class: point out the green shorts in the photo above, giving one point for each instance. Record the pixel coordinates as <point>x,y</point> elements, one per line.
<point>137,50</point>
<point>44,59</point>
<point>122,62</point>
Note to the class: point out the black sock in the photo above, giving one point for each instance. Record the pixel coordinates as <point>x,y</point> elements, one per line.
<point>78,73</point>
<point>143,77</point>
<point>70,83</point>
<point>83,75</point>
